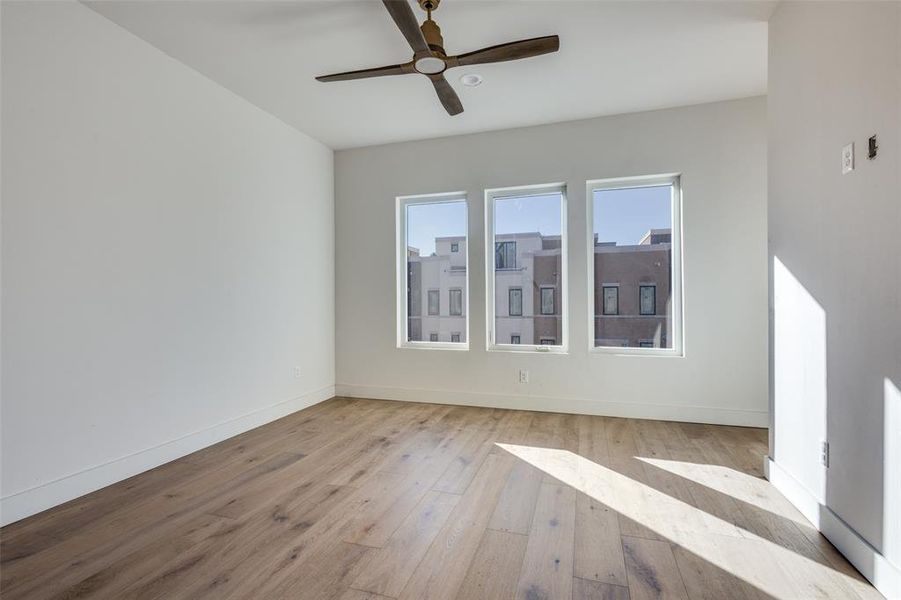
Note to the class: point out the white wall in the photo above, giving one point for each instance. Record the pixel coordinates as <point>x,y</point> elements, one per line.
<point>721,150</point>
<point>166,258</point>
<point>835,250</point>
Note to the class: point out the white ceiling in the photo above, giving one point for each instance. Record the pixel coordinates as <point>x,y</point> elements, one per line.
<point>614,57</point>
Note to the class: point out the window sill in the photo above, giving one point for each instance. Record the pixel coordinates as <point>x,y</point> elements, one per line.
<point>636,352</point>
<point>454,346</point>
<point>528,349</point>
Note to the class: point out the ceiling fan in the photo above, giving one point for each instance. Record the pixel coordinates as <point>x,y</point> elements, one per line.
<point>430,59</point>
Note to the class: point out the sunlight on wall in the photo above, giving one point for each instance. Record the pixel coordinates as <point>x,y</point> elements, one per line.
<point>799,375</point>
<point>768,566</point>
<point>891,464</point>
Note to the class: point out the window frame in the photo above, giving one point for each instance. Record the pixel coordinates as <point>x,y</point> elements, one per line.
<point>401,297</point>
<point>676,283</point>
<point>521,191</point>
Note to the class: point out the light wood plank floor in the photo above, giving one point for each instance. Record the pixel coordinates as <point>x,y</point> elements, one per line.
<point>366,499</point>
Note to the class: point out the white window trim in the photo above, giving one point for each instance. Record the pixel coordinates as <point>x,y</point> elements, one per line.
<point>619,183</point>
<point>401,267</point>
<point>521,191</point>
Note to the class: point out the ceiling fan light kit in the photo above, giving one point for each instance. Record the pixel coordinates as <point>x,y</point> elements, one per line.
<point>430,59</point>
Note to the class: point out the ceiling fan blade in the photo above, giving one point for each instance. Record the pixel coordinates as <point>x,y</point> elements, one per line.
<point>405,20</point>
<point>365,73</point>
<point>509,51</point>
<point>446,94</point>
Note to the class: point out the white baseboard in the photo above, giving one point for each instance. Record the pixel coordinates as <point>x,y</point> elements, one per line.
<point>636,410</point>
<point>39,498</point>
<point>884,576</point>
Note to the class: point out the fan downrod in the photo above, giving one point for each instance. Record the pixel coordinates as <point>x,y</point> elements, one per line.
<point>429,5</point>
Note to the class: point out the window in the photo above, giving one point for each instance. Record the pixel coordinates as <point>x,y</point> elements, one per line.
<point>526,267</point>
<point>434,302</point>
<point>431,270</point>
<point>635,242</point>
<point>505,255</point>
<point>455,302</point>
<point>647,299</point>
<point>547,341</point>
<point>547,300</point>
<point>611,299</point>
<point>514,302</point>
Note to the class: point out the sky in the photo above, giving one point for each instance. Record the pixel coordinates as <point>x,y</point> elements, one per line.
<point>621,216</point>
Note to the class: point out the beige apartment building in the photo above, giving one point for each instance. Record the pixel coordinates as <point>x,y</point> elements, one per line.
<point>632,291</point>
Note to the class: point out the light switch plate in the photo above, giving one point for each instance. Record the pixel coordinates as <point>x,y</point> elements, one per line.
<point>848,158</point>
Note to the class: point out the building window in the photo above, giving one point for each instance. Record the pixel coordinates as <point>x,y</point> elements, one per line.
<point>647,300</point>
<point>514,339</point>
<point>455,302</point>
<point>547,301</point>
<point>636,238</point>
<point>526,233</point>
<point>455,338</point>
<point>434,302</point>
<point>547,342</point>
<point>505,255</point>
<point>611,299</point>
<point>514,302</point>
<point>430,266</point>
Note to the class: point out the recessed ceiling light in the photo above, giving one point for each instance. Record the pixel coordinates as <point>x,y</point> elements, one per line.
<point>471,79</point>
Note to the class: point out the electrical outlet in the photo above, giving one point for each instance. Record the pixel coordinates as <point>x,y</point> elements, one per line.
<point>848,158</point>
<point>824,454</point>
<point>297,373</point>
<point>523,376</point>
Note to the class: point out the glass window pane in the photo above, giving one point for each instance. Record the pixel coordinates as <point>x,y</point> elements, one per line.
<point>547,301</point>
<point>436,268</point>
<point>647,299</point>
<point>456,302</point>
<point>528,268</point>
<point>434,302</point>
<point>514,302</point>
<point>611,300</point>
<point>633,249</point>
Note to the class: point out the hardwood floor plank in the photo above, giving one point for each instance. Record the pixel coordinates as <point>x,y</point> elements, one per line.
<point>387,570</point>
<point>584,589</point>
<point>652,570</point>
<point>495,568</point>
<point>447,561</point>
<point>516,505</point>
<point>547,570</point>
<point>598,548</point>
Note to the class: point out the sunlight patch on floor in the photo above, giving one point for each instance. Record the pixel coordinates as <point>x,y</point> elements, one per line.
<point>759,562</point>
<point>740,486</point>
